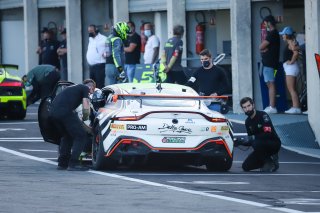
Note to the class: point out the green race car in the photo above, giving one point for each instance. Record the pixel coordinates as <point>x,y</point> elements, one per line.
<point>13,98</point>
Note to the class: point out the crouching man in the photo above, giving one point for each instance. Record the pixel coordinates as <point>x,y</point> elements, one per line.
<point>68,124</point>
<point>262,137</point>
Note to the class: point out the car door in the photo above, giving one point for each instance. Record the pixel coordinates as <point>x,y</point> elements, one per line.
<point>47,129</point>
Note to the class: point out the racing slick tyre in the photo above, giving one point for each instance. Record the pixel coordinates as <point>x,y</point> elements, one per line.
<point>99,161</point>
<point>221,164</point>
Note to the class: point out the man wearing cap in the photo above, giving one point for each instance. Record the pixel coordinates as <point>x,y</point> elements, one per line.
<point>48,49</point>
<point>62,52</point>
<point>270,48</point>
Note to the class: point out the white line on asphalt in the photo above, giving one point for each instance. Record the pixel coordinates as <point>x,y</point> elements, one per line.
<point>225,174</point>
<point>252,191</point>
<point>150,183</point>
<point>35,138</point>
<point>27,122</point>
<point>24,141</point>
<point>210,182</point>
<point>20,154</point>
<point>37,150</point>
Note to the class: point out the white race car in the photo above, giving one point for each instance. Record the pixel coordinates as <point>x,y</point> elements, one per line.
<point>139,123</point>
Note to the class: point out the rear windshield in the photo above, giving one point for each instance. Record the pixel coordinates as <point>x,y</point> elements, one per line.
<point>179,102</point>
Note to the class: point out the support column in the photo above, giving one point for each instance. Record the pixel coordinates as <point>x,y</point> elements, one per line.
<point>312,21</point>
<point>74,40</point>
<point>31,33</point>
<point>240,12</point>
<point>176,15</point>
<point>120,11</point>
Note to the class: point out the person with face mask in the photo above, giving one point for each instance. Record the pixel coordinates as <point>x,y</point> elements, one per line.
<point>151,52</point>
<point>262,137</point>
<point>270,51</point>
<point>95,52</point>
<point>48,49</point>
<point>132,52</point>
<point>208,79</point>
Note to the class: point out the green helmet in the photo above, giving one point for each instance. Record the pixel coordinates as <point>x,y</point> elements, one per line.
<point>122,29</point>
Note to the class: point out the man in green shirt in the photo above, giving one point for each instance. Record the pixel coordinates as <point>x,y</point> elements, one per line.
<point>43,79</point>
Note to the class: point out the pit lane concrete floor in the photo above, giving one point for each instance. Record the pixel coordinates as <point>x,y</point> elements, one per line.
<point>294,131</point>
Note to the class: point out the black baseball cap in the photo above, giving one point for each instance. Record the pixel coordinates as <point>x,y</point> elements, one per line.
<point>44,30</point>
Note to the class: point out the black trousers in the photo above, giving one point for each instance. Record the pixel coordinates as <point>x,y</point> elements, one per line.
<point>44,88</point>
<point>262,150</point>
<point>176,77</point>
<point>97,73</point>
<point>74,137</point>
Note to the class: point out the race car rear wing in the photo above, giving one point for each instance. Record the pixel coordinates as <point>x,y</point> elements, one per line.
<point>141,97</point>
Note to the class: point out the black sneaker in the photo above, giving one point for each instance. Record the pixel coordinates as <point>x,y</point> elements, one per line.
<point>77,168</point>
<point>275,160</point>
<point>62,167</point>
<point>268,166</point>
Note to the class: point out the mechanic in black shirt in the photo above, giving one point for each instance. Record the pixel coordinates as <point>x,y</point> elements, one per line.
<point>69,126</point>
<point>132,52</point>
<point>48,49</point>
<point>209,79</point>
<point>171,57</point>
<point>262,137</point>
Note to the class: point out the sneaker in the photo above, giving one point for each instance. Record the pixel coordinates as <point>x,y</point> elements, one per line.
<point>271,110</point>
<point>305,112</point>
<point>275,159</point>
<point>293,110</point>
<point>268,166</point>
<point>62,167</point>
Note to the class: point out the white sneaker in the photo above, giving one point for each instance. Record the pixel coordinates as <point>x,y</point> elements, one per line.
<point>293,110</point>
<point>305,112</point>
<point>271,110</point>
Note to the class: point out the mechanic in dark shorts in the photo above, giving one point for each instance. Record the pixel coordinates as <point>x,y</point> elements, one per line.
<point>43,79</point>
<point>208,79</point>
<point>262,137</point>
<point>69,126</point>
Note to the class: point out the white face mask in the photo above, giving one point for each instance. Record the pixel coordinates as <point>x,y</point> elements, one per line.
<point>147,33</point>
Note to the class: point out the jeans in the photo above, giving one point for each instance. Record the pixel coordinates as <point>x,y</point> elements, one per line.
<point>111,73</point>
<point>130,71</point>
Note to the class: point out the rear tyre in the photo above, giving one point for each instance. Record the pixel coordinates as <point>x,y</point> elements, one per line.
<point>99,161</point>
<point>221,164</point>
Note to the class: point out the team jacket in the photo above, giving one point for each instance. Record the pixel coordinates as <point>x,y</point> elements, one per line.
<point>261,127</point>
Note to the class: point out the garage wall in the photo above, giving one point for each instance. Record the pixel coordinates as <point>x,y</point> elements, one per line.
<point>12,42</point>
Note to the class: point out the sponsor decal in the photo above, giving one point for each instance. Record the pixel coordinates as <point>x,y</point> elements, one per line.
<point>174,128</point>
<point>174,140</point>
<point>213,129</point>
<point>224,128</point>
<point>117,126</point>
<point>267,129</point>
<point>138,127</point>
<point>190,121</point>
<point>204,129</point>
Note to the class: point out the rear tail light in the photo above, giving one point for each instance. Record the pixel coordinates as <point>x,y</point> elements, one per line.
<point>216,120</point>
<point>128,118</point>
<point>11,84</point>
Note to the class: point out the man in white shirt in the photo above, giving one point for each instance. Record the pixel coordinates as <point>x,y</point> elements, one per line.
<point>95,59</point>
<point>151,53</point>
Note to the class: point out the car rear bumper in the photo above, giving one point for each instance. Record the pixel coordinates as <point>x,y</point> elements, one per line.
<point>138,149</point>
